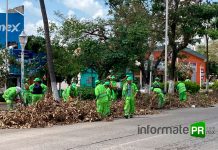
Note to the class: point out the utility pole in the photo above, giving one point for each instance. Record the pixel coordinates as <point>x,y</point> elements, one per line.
<point>6,40</point>
<point>6,31</point>
<point>207,65</point>
<point>166,44</point>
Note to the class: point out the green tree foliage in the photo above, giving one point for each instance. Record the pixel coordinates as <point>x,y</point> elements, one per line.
<point>86,45</point>
<point>213,56</point>
<point>186,21</point>
<point>36,44</point>
<point>4,59</point>
<point>131,26</point>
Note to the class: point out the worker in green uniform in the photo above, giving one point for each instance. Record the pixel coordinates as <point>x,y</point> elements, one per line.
<point>124,80</point>
<point>108,89</point>
<point>182,91</point>
<point>27,94</point>
<point>70,91</point>
<point>156,83</point>
<point>113,85</point>
<point>157,92</point>
<point>10,96</point>
<point>37,90</point>
<point>102,99</point>
<point>129,93</point>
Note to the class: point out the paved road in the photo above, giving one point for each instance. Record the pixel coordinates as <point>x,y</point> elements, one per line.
<point>120,134</point>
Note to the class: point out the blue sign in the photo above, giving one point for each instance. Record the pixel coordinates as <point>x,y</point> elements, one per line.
<point>15,27</point>
<point>16,53</point>
<point>33,62</point>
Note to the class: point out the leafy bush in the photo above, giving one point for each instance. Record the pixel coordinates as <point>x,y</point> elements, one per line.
<point>86,93</point>
<point>215,86</point>
<point>162,85</point>
<point>192,87</point>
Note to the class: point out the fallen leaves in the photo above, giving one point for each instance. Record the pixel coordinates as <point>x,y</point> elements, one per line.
<point>198,100</point>
<point>47,113</point>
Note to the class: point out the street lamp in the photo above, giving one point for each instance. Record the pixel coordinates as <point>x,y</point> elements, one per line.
<point>137,63</point>
<point>23,40</point>
<point>151,58</point>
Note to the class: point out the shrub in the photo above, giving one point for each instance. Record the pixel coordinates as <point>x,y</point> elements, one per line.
<point>192,87</point>
<point>162,86</point>
<point>215,86</point>
<point>86,93</point>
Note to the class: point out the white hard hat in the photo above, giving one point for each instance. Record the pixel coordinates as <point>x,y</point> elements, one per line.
<point>18,89</point>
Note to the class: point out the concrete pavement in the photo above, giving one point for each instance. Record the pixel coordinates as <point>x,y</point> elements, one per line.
<point>120,134</point>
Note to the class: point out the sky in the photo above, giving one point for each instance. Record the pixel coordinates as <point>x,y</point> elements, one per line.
<point>82,9</point>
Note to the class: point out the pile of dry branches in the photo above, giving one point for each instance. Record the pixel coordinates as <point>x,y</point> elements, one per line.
<point>47,113</point>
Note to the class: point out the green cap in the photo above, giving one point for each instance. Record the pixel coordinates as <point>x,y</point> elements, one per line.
<point>37,80</point>
<point>127,75</point>
<point>97,81</point>
<point>157,79</point>
<point>129,79</point>
<point>107,83</point>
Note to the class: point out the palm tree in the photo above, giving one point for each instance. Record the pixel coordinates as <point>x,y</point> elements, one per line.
<point>49,51</point>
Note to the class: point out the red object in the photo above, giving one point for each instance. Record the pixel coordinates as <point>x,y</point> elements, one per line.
<point>192,57</point>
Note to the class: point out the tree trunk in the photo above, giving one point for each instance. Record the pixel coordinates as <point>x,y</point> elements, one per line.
<point>173,65</point>
<point>49,52</point>
<point>144,75</point>
<point>172,71</point>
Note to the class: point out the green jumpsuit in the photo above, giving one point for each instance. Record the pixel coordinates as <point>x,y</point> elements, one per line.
<point>37,92</point>
<point>156,84</point>
<point>161,97</point>
<point>102,100</point>
<point>27,95</point>
<point>129,92</point>
<point>123,83</point>
<point>182,91</point>
<point>109,99</point>
<point>10,96</point>
<point>114,90</point>
<point>70,91</point>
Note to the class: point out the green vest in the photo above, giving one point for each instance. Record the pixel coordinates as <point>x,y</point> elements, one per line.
<point>129,90</point>
<point>10,94</point>
<point>109,93</point>
<point>157,90</point>
<point>156,84</point>
<point>181,87</point>
<point>100,91</point>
